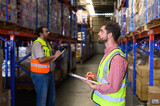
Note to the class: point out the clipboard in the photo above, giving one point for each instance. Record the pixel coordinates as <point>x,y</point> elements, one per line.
<point>59,55</point>
<point>83,78</point>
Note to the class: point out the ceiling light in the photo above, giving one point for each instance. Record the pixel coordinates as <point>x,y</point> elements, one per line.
<point>104,14</point>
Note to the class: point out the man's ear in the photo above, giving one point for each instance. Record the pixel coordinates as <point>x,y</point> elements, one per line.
<point>110,35</point>
<point>40,33</point>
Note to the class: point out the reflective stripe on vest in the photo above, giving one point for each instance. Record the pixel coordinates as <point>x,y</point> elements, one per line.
<point>115,98</point>
<point>38,67</point>
<point>109,98</point>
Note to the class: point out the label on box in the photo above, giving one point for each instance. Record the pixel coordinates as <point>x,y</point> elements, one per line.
<point>155,101</point>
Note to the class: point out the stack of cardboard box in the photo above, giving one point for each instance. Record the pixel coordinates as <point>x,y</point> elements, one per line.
<point>153,96</point>
<point>142,79</point>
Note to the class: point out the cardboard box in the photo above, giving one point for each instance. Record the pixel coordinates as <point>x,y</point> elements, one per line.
<point>156,73</point>
<point>141,87</point>
<point>144,81</point>
<point>142,95</point>
<point>130,60</point>
<point>156,62</point>
<point>154,96</point>
<point>142,70</point>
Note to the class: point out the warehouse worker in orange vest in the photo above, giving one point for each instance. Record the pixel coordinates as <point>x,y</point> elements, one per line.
<point>42,68</point>
<point>111,88</point>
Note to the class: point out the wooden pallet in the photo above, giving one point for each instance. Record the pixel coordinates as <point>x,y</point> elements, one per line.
<point>143,28</point>
<point>14,26</point>
<point>24,29</point>
<point>153,23</point>
<point>7,25</point>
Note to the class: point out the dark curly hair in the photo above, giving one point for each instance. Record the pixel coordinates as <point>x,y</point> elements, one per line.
<point>40,30</point>
<point>114,28</point>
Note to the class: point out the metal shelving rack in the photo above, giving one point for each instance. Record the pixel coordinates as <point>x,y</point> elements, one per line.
<point>83,28</point>
<point>137,38</point>
<point>10,46</point>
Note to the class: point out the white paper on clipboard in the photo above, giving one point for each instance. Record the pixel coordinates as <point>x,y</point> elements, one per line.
<point>83,78</point>
<point>59,55</point>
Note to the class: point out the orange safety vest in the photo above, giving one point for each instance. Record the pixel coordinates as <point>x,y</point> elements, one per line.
<point>36,66</point>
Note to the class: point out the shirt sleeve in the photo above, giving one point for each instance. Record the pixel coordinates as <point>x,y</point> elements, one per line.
<point>115,77</point>
<point>37,50</point>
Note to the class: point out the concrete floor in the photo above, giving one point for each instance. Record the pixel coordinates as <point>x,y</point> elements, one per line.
<point>74,92</point>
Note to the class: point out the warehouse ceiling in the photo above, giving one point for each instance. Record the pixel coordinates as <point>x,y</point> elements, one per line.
<point>100,6</point>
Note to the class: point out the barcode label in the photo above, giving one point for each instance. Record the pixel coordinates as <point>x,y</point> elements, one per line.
<point>155,101</point>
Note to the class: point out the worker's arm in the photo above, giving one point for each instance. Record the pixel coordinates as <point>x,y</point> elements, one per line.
<point>115,77</point>
<point>38,53</point>
<point>50,58</point>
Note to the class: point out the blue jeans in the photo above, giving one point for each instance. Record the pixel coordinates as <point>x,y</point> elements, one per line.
<point>97,105</point>
<point>45,88</point>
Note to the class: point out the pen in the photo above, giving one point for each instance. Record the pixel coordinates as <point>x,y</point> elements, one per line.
<point>90,74</point>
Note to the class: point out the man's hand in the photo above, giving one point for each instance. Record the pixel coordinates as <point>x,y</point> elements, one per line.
<point>91,76</point>
<point>92,86</point>
<point>57,53</point>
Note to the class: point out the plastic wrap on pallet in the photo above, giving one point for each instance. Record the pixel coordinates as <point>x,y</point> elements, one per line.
<point>156,9</point>
<point>136,6</point>
<point>123,22</point>
<point>66,21</point>
<point>151,9</point>
<point>8,12</point>
<point>136,22</point>
<point>142,12</point>
<point>119,3</point>
<point>21,74</point>
<point>128,19</point>
<point>55,17</point>
<point>74,27</point>
<point>9,2</point>
<point>82,16</point>
<point>42,13</point>
<point>26,13</point>
<point>54,7</point>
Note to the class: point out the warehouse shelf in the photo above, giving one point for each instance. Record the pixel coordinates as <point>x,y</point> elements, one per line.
<point>13,36</point>
<point>146,35</point>
<point>151,36</point>
<point>71,6</point>
<point>84,45</point>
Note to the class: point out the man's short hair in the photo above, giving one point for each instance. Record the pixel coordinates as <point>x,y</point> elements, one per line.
<point>114,28</point>
<point>40,30</point>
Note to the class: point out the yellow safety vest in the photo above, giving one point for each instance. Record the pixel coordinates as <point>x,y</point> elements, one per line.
<point>36,66</point>
<point>114,99</point>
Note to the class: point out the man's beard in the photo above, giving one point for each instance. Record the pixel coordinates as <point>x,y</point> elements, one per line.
<point>103,41</point>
